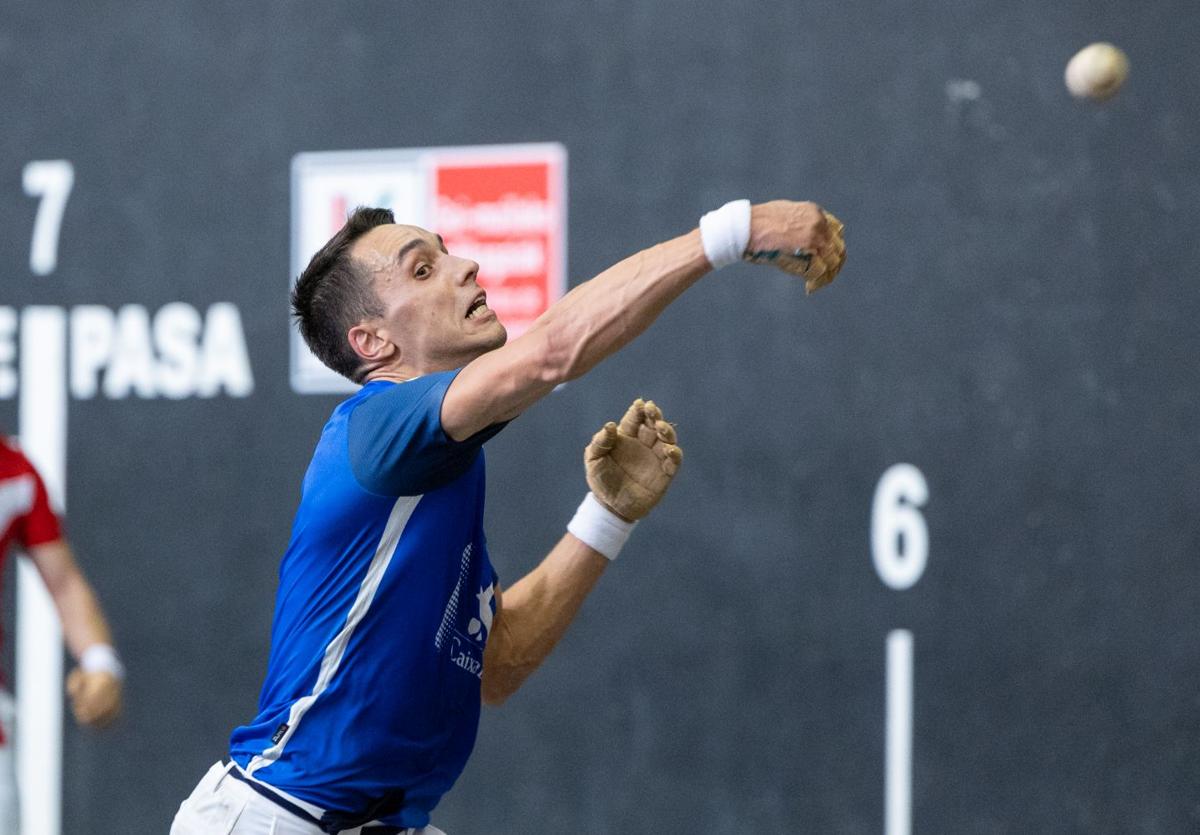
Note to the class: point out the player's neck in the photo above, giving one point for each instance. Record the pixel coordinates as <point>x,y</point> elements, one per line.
<point>391,375</point>
<point>402,372</point>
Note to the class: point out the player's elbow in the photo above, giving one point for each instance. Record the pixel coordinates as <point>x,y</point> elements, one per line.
<point>493,697</point>
<point>506,663</point>
<point>495,689</point>
<point>503,671</point>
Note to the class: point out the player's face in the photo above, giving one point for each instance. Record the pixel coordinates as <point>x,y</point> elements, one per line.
<point>434,310</point>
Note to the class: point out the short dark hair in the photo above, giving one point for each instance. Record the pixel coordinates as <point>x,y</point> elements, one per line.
<point>334,294</point>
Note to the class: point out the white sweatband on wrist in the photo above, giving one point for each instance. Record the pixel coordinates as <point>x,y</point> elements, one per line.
<point>725,233</point>
<point>599,528</point>
<point>102,658</point>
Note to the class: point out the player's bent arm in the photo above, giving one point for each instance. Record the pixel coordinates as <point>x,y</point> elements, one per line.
<point>82,619</point>
<point>94,686</point>
<point>594,320</point>
<point>602,315</point>
<point>533,614</point>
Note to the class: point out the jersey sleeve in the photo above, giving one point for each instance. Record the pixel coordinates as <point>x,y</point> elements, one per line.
<point>40,525</point>
<point>397,444</point>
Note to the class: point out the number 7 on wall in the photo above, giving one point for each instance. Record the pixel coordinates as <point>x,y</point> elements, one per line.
<point>51,180</point>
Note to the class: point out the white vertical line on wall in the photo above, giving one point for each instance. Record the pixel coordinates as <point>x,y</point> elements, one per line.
<point>898,756</point>
<point>39,655</point>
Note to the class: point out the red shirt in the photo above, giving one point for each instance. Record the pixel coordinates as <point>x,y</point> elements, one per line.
<point>25,515</point>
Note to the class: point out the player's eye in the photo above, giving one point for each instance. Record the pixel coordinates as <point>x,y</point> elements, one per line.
<point>423,271</point>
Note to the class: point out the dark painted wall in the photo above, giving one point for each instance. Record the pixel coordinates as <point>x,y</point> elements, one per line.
<point>1017,318</point>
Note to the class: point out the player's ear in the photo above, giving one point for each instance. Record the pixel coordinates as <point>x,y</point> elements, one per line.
<point>371,343</point>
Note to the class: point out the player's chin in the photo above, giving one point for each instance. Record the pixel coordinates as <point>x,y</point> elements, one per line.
<point>495,335</point>
<point>487,339</point>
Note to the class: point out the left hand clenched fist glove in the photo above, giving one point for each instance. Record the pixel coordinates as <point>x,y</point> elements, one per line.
<point>799,238</point>
<point>630,466</point>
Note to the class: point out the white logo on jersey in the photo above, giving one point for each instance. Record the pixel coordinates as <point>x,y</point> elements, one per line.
<point>450,614</point>
<point>480,627</point>
<point>16,499</point>
<point>465,658</point>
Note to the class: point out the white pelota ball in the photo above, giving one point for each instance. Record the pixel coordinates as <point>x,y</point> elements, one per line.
<point>1097,72</point>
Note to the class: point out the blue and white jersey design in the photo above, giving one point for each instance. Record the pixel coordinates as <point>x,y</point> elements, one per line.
<point>371,700</point>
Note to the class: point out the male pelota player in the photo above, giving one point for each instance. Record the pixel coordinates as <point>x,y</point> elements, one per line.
<point>28,522</point>
<point>390,624</point>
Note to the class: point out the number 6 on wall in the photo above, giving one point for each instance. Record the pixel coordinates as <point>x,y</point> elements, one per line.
<point>899,537</point>
<point>50,180</point>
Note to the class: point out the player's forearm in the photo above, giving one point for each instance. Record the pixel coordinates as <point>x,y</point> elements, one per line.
<point>534,615</point>
<point>82,619</point>
<point>601,316</point>
<point>594,320</point>
<point>78,609</point>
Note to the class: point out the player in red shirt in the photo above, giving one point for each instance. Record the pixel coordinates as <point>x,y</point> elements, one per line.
<point>27,522</point>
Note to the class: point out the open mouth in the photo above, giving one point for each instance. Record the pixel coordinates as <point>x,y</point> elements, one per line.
<point>478,307</point>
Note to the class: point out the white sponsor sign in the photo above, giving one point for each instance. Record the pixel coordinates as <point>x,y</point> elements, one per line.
<point>501,205</point>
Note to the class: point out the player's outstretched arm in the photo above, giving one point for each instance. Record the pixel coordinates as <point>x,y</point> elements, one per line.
<point>95,685</point>
<point>602,315</point>
<point>629,468</point>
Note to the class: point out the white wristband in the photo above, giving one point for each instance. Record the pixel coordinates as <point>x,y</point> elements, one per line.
<point>725,233</point>
<point>102,658</point>
<point>599,528</point>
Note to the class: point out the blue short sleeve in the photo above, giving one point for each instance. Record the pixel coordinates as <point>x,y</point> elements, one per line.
<point>397,444</point>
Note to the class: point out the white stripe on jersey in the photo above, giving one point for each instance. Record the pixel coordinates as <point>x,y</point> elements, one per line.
<point>16,499</point>
<point>401,512</point>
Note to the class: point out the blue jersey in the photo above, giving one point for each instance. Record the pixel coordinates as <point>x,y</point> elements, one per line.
<point>371,700</point>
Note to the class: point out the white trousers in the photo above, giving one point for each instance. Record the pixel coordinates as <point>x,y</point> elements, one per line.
<point>224,805</point>
<point>10,807</point>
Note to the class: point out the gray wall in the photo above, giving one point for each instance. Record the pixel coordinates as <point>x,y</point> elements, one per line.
<point>1017,318</point>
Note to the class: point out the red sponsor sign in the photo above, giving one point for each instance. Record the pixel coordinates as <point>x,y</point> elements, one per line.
<point>501,205</point>
<point>508,216</point>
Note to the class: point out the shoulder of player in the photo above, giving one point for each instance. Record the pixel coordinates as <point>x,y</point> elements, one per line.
<point>387,395</point>
<point>12,459</point>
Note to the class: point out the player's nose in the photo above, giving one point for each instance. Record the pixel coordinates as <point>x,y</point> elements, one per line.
<point>466,270</point>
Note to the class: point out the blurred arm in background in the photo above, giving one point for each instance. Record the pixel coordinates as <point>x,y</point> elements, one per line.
<point>95,686</point>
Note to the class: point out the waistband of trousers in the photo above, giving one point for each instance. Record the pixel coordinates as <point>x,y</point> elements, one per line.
<point>306,812</point>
